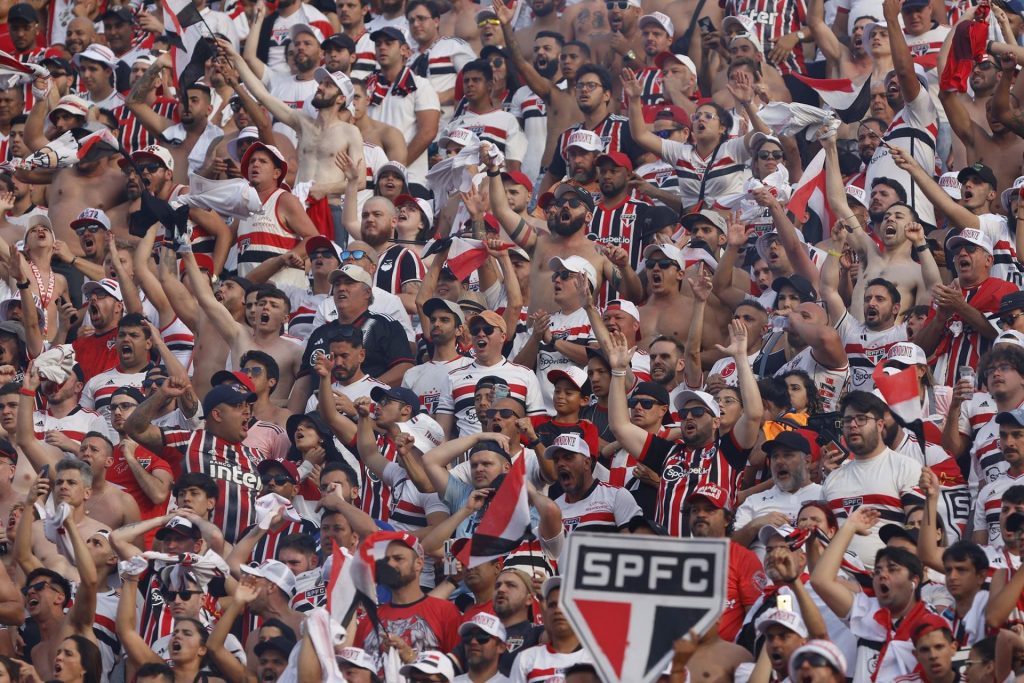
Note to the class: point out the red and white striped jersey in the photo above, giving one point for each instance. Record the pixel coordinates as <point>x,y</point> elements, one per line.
<point>928,43</point>
<point>865,348</point>
<point>409,506</point>
<point>831,382</point>
<point>430,379</point>
<point>266,548</point>
<point>989,504</point>
<point>304,304</point>
<point>659,174</point>
<point>365,58</point>
<point>132,134</point>
<point>231,465</point>
<point>1004,254</point>
<point>977,421</point>
<point>614,133</point>
<point>605,508</point>
<point>773,20</point>
<point>458,399</point>
<point>683,469</point>
<point>180,340</point>
<point>542,664</point>
<point>498,127</point>
<point>573,328</point>
<point>374,494</point>
<point>263,236</point>
<point>397,266</point>
<point>954,496</point>
<point>886,482</point>
<point>97,391</point>
<point>961,344</point>
<point>104,627</point>
<point>651,90</point>
<point>726,169</point>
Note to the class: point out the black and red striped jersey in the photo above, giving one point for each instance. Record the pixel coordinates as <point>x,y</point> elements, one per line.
<point>614,133</point>
<point>683,469</point>
<point>397,266</point>
<point>231,465</point>
<point>651,90</point>
<point>374,494</point>
<point>267,547</point>
<point>621,225</point>
<point>774,19</point>
<point>132,134</point>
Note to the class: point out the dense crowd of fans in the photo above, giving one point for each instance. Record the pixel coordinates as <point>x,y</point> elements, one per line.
<point>288,289</point>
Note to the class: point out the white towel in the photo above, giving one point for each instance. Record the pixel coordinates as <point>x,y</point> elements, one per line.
<point>54,531</point>
<point>56,364</point>
<point>234,197</point>
<point>268,505</point>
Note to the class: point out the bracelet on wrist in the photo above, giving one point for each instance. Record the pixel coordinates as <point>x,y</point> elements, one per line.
<point>833,252</point>
<point>533,443</point>
<point>23,285</point>
<point>27,392</point>
<point>921,248</point>
<point>619,373</point>
<point>493,174</point>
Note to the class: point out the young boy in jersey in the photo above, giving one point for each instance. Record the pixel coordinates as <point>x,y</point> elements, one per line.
<point>570,395</point>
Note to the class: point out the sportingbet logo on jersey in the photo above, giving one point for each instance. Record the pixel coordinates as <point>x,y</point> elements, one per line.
<point>629,597</point>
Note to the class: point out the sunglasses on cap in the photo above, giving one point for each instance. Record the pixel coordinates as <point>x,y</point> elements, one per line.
<point>171,596</point>
<point>486,329</point>
<point>92,229</point>
<point>766,155</point>
<point>278,479</point>
<point>645,403</point>
<point>697,412</point>
<point>355,254</point>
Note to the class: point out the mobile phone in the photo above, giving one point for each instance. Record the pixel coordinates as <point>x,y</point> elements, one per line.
<point>784,602</point>
<point>44,471</point>
<point>706,25</point>
<point>451,565</point>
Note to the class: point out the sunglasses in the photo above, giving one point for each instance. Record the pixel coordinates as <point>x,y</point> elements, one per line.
<point>488,22</point>
<point>812,658</point>
<point>172,596</point>
<point>356,254</point>
<point>699,411</point>
<point>765,156</point>
<point>497,62</point>
<point>150,168</point>
<point>486,329</point>
<point>969,248</point>
<point>645,403</point>
<point>667,133</point>
<point>1008,320</point>
<point>278,479</point>
<point>35,587</point>
<point>564,275</point>
<point>149,383</point>
<point>91,229</point>
<point>663,263</point>
<point>505,413</point>
<point>479,637</point>
<point>573,202</point>
<point>323,253</point>
<point>347,332</point>
<point>254,371</point>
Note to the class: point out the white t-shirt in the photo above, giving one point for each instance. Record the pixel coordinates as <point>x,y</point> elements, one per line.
<point>431,378</point>
<point>542,664</point>
<point>865,348</point>
<point>773,500</point>
<point>400,112</point>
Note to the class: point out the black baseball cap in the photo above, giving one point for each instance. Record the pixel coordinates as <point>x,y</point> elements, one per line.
<point>23,12</point>
<point>790,440</point>
<point>339,40</point>
<point>654,390</point>
<point>388,33</point>
<point>979,171</point>
<point>280,644</point>
<point>891,531</point>
<point>121,13</point>
<point>802,285</point>
<point>1010,302</point>
<point>584,196</point>
<point>406,396</point>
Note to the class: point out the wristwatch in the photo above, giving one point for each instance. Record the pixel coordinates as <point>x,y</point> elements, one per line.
<point>801,36</point>
<point>631,56</point>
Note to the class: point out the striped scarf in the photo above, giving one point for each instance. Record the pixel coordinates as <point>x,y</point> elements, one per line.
<point>378,86</point>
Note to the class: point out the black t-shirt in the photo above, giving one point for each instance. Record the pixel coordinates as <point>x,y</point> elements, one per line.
<point>383,338</point>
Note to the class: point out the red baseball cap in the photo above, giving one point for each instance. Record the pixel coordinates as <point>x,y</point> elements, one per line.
<point>222,376</point>
<point>519,178</point>
<point>617,158</point>
<point>287,465</point>
<point>667,111</point>
<point>715,495</point>
<point>545,199</point>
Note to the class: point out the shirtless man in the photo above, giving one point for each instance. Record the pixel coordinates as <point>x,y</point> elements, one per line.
<point>460,21</point>
<point>562,109</point>
<point>666,279</point>
<point>895,264</point>
<point>978,191</point>
<point>567,237</point>
<point>584,21</point>
<point>375,132</point>
<point>95,182</point>
<point>851,62</point>
<point>545,18</point>
<point>266,336</point>
<point>681,14</point>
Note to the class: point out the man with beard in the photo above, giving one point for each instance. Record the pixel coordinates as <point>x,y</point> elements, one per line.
<point>401,98</point>
<point>291,88</point>
<point>486,118</point>
<point>94,237</point>
<point>513,605</point>
<point>961,330</point>
<point>439,58</point>
<point>484,641</point>
<point>97,353</point>
<point>874,473</point>
<point>548,661</point>
<point>619,220</point>
<point>339,53</point>
<point>869,134</point>
<point>990,497</point>
<point>668,364</point>
<point>882,648</point>
<point>430,379</point>
<point>189,140</point>
<point>527,106</point>
<point>568,237</point>
<point>412,618</point>
<point>901,232</point>
<point>272,32</point>
<point>789,460</point>
<point>133,349</point>
<point>977,192</point>
<point>399,269</point>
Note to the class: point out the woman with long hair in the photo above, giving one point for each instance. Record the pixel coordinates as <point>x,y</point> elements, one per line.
<point>803,393</point>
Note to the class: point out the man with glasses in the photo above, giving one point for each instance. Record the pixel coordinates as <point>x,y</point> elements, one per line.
<point>487,118</point>
<point>874,475</point>
<point>95,234</point>
<point>483,641</point>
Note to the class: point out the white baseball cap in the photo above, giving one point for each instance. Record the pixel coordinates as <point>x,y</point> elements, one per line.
<point>571,442</point>
<point>352,272</point>
<point>857,194</point>
<point>107,285</point>
<point>573,373</point>
<point>488,623</point>
<point>669,250</point>
<point>1010,337</point>
<point>703,397</point>
<point>768,530</point>
<point>426,433</point>
<point>73,105</point>
<point>969,236</point>
<point>627,307</point>
<point>157,152</point>
<point>1007,194</point>
<point>907,353</point>
<point>791,620</point>
<point>96,53</point>
<point>357,657</point>
<point>91,216</point>
<point>247,133</point>
<point>339,79</point>
<point>431,662</point>
<point>587,140</point>
<point>296,29</point>
<point>950,184</point>
<point>660,60</point>
<point>460,136</point>
<point>575,264</point>
<point>275,572</point>
<point>659,19</point>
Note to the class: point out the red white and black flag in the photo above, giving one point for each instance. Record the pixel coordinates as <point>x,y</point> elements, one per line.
<point>193,45</point>
<point>849,100</point>
<point>506,520</point>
